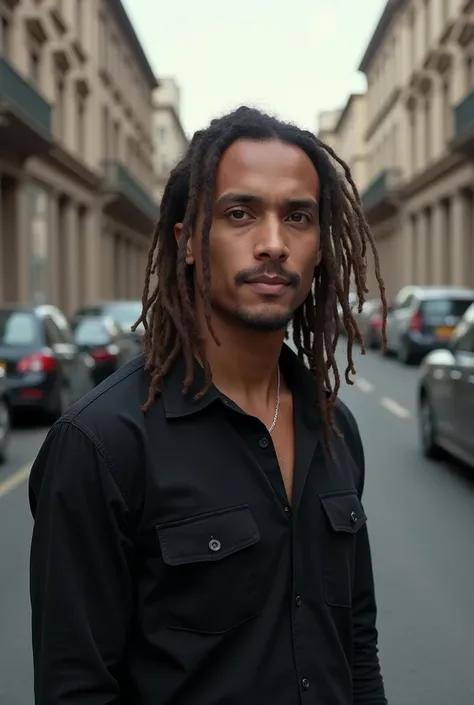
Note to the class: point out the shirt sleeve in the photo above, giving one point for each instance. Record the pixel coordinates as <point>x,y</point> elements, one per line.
<point>368,687</point>
<point>80,571</point>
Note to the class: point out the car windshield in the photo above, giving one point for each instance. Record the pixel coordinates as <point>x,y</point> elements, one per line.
<point>125,313</point>
<point>445,308</point>
<point>91,332</point>
<point>18,328</point>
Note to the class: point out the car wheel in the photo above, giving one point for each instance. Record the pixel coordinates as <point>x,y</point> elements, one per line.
<point>427,427</point>
<point>5,429</point>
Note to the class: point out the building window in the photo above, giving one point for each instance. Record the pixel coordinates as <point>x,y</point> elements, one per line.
<point>102,42</point>
<point>5,38</point>
<point>34,67</point>
<point>447,116</point>
<point>116,141</point>
<point>427,129</point>
<point>59,107</point>
<point>469,73</point>
<point>105,133</point>
<point>427,23</point>
<point>79,19</point>
<point>413,145</point>
<point>412,23</point>
<point>81,126</point>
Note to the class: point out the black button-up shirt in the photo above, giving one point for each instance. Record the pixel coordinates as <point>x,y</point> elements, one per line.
<point>168,569</point>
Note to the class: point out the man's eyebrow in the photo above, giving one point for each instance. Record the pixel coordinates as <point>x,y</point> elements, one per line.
<point>248,199</point>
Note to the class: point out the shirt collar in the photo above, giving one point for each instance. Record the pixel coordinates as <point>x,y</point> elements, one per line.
<point>176,405</point>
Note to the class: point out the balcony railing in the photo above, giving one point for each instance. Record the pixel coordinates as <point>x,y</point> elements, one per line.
<point>464,116</point>
<point>381,187</point>
<point>24,101</point>
<point>118,179</point>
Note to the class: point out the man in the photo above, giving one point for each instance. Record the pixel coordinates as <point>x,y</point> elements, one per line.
<point>199,535</point>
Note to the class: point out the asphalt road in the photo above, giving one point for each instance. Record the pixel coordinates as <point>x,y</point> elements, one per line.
<point>421,519</point>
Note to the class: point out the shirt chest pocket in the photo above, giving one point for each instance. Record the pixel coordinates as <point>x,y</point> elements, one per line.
<point>343,516</point>
<point>210,582</point>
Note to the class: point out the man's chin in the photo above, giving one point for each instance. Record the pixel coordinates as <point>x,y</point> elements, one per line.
<point>268,321</point>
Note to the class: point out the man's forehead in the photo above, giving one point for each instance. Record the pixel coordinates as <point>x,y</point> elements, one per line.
<point>266,163</point>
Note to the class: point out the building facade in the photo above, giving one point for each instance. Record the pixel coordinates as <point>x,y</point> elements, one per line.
<point>169,136</point>
<point>76,167</point>
<point>419,198</point>
<point>350,137</point>
<point>326,127</point>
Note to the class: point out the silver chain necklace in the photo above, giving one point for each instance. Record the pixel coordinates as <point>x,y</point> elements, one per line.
<point>277,406</point>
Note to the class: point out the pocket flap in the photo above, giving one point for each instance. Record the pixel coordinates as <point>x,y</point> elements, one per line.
<point>208,537</point>
<point>344,511</point>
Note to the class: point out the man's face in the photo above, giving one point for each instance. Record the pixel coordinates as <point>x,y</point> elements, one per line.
<point>264,240</point>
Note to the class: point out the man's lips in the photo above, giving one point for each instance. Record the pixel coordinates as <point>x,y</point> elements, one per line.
<point>267,284</point>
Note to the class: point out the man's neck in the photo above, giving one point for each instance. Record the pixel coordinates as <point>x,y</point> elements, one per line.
<point>244,366</point>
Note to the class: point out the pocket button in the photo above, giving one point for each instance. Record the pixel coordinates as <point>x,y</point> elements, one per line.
<point>354,518</point>
<point>215,545</point>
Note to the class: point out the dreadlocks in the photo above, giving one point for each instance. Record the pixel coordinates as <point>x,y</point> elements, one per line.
<point>168,313</point>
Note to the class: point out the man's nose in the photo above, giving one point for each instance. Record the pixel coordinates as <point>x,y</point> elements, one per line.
<point>271,243</point>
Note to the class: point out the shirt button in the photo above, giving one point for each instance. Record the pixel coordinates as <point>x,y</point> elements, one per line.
<point>354,518</point>
<point>215,545</point>
<point>305,683</point>
<point>298,601</point>
<point>263,442</point>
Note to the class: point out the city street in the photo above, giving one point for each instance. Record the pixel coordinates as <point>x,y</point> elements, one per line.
<point>421,520</point>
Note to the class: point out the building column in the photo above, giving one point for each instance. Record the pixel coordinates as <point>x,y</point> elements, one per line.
<point>438,244</point>
<point>72,257</point>
<point>93,248</point>
<point>22,249</point>
<point>54,259</point>
<point>438,142</point>
<point>422,243</point>
<point>457,239</point>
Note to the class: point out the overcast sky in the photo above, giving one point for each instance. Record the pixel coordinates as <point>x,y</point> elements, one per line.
<point>291,57</point>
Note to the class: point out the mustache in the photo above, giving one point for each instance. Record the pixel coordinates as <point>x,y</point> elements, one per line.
<point>272,270</point>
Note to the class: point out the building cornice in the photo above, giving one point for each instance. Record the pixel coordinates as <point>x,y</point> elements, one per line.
<point>123,19</point>
<point>379,34</point>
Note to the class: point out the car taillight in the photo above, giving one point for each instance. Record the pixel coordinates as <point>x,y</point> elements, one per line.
<point>42,361</point>
<point>107,354</point>
<point>416,322</point>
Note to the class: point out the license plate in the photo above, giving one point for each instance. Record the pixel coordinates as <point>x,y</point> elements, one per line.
<point>444,333</point>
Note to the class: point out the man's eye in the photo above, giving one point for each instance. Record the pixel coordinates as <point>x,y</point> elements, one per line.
<point>238,214</point>
<point>300,217</point>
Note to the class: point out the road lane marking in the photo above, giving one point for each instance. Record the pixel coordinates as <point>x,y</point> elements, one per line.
<point>364,385</point>
<point>15,480</point>
<point>394,407</point>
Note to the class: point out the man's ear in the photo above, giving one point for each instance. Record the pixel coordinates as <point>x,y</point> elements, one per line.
<point>178,229</point>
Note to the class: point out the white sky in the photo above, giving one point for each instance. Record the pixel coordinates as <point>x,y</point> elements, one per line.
<point>293,58</point>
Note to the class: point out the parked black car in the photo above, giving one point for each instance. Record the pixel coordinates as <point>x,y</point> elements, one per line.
<point>44,368</point>
<point>423,318</point>
<point>4,415</point>
<point>446,396</point>
<point>105,342</point>
<point>124,312</point>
